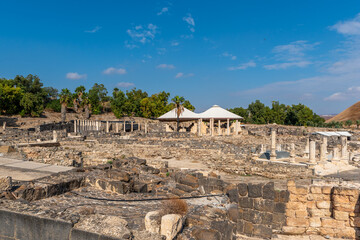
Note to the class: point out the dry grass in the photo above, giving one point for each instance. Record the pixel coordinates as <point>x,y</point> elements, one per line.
<point>174,206</point>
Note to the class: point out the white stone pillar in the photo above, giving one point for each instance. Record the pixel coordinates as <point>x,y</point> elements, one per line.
<point>323,156</point>
<point>273,145</point>
<point>55,136</point>
<point>344,152</point>
<point>212,126</point>
<point>124,126</point>
<point>4,125</point>
<point>312,152</point>
<point>307,148</point>
<point>219,127</point>
<point>325,142</point>
<point>262,149</point>
<point>335,155</point>
<point>75,126</point>
<point>146,128</point>
<point>236,127</point>
<point>117,127</point>
<point>228,127</point>
<point>199,127</point>
<point>107,126</point>
<point>132,126</point>
<point>292,153</point>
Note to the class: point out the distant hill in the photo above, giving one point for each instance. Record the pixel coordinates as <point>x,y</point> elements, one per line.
<point>351,113</point>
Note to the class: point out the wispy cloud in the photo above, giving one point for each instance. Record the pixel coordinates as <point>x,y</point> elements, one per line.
<point>243,66</point>
<point>165,66</point>
<point>229,55</point>
<point>190,21</point>
<point>162,11</point>
<point>161,51</point>
<point>94,30</point>
<point>143,34</point>
<point>183,75</point>
<point>112,70</point>
<point>291,55</point>
<point>286,65</point>
<point>75,76</point>
<point>175,43</point>
<point>130,45</point>
<point>125,84</point>
<point>350,27</point>
<point>350,93</point>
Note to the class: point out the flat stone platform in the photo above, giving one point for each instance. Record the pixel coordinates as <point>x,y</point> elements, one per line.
<point>21,170</point>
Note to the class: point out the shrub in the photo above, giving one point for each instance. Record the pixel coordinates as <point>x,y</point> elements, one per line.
<point>54,105</point>
<point>174,206</point>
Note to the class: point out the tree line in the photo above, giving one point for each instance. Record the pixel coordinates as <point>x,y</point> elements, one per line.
<point>28,97</point>
<point>295,115</point>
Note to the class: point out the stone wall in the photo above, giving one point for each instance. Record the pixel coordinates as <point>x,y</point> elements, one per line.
<point>327,211</point>
<point>68,126</point>
<point>19,226</point>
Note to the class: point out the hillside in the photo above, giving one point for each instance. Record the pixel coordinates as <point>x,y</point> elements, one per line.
<point>351,113</point>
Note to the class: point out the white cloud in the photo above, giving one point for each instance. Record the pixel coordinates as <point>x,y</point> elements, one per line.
<point>350,93</point>
<point>112,70</point>
<point>161,51</point>
<point>243,66</point>
<point>165,66</point>
<point>175,43</point>
<point>190,21</point>
<point>286,65</point>
<point>350,27</point>
<point>125,84</point>
<point>143,34</point>
<point>182,75</point>
<point>97,28</point>
<point>293,51</point>
<point>163,10</point>
<point>75,76</point>
<point>229,55</point>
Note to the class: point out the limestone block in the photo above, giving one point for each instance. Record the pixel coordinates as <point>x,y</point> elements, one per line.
<point>296,206</point>
<point>341,199</point>
<point>298,190</point>
<point>338,215</point>
<point>290,213</point>
<point>319,212</point>
<point>311,204</point>
<point>171,225</point>
<point>347,232</point>
<point>315,222</point>
<point>332,223</point>
<point>326,190</point>
<point>153,221</point>
<point>346,191</point>
<point>323,204</point>
<point>299,222</point>
<point>301,214</point>
<point>315,189</point>
<point>298,198</point>
<point>293,230</point>
<point>345,207</point>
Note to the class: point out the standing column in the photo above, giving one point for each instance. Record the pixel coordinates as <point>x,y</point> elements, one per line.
<point>107,126</point>
<point>124,126</point>
<point>55,139</point>
<point>117,127</point>
<point>322,152</point>
<point>273,145</point>
<point>132,126</point>
<point>199,127</point>
<point>312,152</point>
<point>292,153</point>
<point>219,127</point>
<point>236,127</point>
<point>335,155</point>
<point>4,125</point>
<point>74,126</point>
<point>146,128</point>
<point>325,142</point>
<point>307,148</point>
<point>344,153</point>
<point>212,126</point>
<point>228,127</point>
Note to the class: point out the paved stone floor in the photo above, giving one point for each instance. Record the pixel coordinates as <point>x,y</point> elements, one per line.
<point>26,170</point>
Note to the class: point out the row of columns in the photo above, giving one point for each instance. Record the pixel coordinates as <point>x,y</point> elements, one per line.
<point>89,125</point>
<point>212,127</point>
<point>344,155</point>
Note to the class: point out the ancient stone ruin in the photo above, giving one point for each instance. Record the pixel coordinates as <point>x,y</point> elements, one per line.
<point>138,179</point>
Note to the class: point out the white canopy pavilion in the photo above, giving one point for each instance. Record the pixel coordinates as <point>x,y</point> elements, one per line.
<point>215,113</point>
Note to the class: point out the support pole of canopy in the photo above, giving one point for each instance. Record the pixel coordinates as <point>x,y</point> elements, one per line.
<point>212,127</point>
<point>236,127</point>
<point>219,127</point>
<point>228,127</point>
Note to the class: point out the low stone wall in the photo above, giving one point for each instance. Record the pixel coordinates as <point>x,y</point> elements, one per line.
<point>327,211</point>
<point>68,126</point>
<point>19,226</point>
<point>257,209</point>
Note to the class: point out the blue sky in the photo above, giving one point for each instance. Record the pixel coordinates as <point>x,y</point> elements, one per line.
<point>228,53</point>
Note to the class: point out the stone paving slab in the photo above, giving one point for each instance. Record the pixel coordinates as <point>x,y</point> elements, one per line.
<point>21,170</point>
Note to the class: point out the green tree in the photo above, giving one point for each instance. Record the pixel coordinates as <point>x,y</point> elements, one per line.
<point>156,105</point>
<point>242,112</point>
<point>97,97</point>
<point>357,123</point>
<point>257,112</point>
<point>133,105</point>
<point>278,112</point>
<point>10,98</point>
<point>118,103</point>
<point>348,123</point>
<point>188,105</point>
<point>179,108</point>
<point>32,104</point>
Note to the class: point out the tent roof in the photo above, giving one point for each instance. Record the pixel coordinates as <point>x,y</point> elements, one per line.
<point>330,134</point>
<point>218,112</point>
<point>185,115</point>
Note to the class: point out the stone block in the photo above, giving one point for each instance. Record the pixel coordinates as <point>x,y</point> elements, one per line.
<point>341,199</point>
<point>118,175</point>
<point>298,190</point>
<point>248,228</point>
<point>242,189</point>
<point>233,194</point>
<point>279,218</point>
<point>279,208</point>
<point>7,219</point>
<point>266,218</point>
<point>265,205</point>
<point>185,188</point>
<point>316,189</point>
<point>290,213</point>
<point>206,234</point>
<point>293,230</point>
<point>282,196</point>
<point>296,206</point>
<point>315,222</point>
<point>331,223</point>
<point>171,225</point>
<point>326,190</point>
<point>233,213</point>
<point>346,191</point>
<point>338,215</point>
<point>77,234</point>
<point>301,214</point>
<point>297,222</point>
<point>153,221</point>
<point>262,231</point>
<point>189,180</point>
<point>319,212</point>
<point>323,205</point>
<point>5,183</point>
<point>268,191</point>
<point>240,227</point>
<point>255,190</point>
<point>246,202</point>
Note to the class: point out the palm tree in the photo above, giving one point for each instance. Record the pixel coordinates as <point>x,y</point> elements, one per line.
<point>65,98</point>
<point>178,102</point>
<point>86,104</point>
